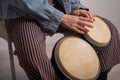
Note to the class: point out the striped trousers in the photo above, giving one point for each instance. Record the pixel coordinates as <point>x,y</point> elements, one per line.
<point>29,42</point>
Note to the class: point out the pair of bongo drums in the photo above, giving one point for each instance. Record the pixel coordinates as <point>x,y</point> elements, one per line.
<point>75,59</point>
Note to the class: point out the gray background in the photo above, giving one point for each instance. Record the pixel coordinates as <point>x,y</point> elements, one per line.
<point>105,8</point>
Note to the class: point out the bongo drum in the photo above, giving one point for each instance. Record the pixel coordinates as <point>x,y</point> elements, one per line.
<point>74,59</point>
<point>100,34</point>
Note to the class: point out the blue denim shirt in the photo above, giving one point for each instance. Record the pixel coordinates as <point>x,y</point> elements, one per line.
<point>45,14</point>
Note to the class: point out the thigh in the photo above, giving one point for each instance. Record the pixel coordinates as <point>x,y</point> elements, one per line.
<point>103,75</point>
<point>29,42</point>
<point>25,34</point>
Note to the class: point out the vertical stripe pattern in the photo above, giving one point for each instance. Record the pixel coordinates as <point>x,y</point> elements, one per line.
<point>103,75</point>
<point>29,42</point>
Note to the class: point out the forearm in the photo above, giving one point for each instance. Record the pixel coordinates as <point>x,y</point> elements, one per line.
<point>46,15</point>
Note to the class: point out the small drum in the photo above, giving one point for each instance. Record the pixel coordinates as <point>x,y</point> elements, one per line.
<point>74,59</point>
<point>100,34</point>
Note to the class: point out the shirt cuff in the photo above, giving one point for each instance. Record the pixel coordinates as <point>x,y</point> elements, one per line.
<point>55,21</point>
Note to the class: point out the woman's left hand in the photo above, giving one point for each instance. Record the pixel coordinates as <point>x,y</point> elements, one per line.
<point>84,13</point>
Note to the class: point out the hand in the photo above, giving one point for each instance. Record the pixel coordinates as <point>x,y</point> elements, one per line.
<point>84,13</point>
<point>76,23</point>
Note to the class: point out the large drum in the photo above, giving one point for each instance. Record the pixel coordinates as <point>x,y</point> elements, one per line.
<point>100,34</point>
<point>74,59</point>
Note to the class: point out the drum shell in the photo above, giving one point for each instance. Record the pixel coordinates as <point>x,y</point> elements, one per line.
<point>61,73</point>
<point>54,63</point>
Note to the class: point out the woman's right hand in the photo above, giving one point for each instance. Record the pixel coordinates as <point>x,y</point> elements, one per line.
<point>76,23</point>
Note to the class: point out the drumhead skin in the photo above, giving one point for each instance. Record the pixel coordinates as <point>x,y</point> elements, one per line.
<point>76,59</point>
<point>100,34</point>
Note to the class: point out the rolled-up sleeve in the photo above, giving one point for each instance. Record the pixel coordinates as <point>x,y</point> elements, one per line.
<point>46,15</point>
<point>75,4</point>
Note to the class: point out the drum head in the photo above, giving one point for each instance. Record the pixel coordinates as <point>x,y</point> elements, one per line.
<point>76,59</point>
<point>100,34</point>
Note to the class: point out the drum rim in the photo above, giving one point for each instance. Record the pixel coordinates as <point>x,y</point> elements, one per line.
<point>65,72</point>
<point>94,42</point>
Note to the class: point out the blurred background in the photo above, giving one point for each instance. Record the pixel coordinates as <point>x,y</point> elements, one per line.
<point>105,8</point>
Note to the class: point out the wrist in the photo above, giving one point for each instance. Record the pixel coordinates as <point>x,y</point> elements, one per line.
<point>63,20</point>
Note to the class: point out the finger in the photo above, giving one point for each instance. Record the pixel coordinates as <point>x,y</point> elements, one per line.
<point>82,28</point>
<point>77,13</point>
<point>88,15</point>
<point>92,16</point>
<point>85,14</point>
<point>85,23</point>
<point>85,19</point>
<point>81,13</point>
<point>78,31</point>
